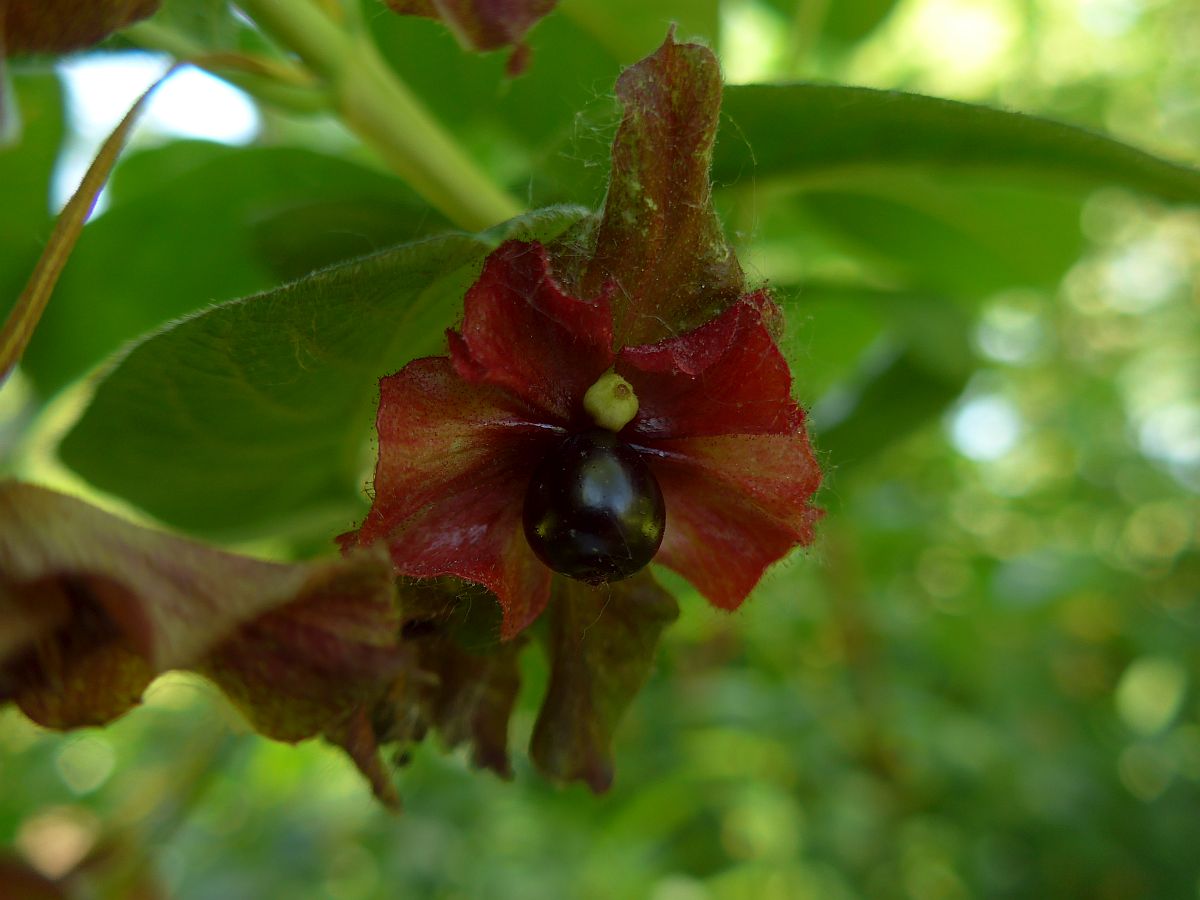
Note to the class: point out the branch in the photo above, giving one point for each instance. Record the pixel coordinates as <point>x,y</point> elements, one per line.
<point>380,109</point>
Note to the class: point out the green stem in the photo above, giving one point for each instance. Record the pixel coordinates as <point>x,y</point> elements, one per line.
<point>380,108</point>
<point>806,28</point>
<point>281,84</point>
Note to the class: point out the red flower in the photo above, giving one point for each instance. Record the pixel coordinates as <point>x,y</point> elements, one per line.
<point>460,438</point>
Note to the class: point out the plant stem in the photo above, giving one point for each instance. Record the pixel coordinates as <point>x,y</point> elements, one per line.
<point>380,108</point>
<point>806,29</point>
<point>279,83</point>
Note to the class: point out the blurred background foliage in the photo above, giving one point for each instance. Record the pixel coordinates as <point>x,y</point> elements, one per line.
<point>983,680</point>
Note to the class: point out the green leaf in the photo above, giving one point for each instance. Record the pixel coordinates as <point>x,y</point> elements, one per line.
<point>209,23</point>
<point>873,364</point>
<point>850,22</point>
<point>170,243</point>
<point>829,330</point>
<point>537,133</point>
<point>602,644</point>
<point>253,417</point>
<point>965,237</point>
<point>27,161</point>
<point>858,352</point>
<point>807,135</point>
<point>898,394</point>
<point>631,29</point>
<point>843,22</point>
<point>26,313</point>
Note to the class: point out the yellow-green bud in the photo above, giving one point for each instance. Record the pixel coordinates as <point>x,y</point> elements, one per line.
<point>611,402</point>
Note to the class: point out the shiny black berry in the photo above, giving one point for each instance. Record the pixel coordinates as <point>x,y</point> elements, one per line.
<point>594,510</point>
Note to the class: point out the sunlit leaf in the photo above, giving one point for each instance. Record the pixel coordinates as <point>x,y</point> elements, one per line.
<point>823,135</point>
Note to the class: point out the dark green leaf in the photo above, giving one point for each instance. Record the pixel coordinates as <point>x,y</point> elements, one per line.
<point>850,22</point>
<point>873,364</point>
<point>602,643</point>
<point>896,395</point>
<point>537,133</point>
<point>26,166</point>
<point>26,313</point>
<point>829,329</point>
<point>826,135</point>
<point>631,29</point>
<point>961,236</point>
<point>845,23</point>
<point>253,417</point>
<point>172,242</point>
<point>209,23</point>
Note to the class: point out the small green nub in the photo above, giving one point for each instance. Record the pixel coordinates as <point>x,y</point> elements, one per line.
<point>611,402</point>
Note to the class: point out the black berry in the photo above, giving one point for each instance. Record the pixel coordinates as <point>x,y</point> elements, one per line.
<point>594,511</point>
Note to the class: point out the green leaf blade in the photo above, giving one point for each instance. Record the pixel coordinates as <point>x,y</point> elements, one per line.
<point>253,416</point>
<point>280,213</point>
<point>814,133</point>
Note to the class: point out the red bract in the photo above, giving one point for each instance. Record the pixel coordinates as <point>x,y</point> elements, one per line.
<point>484,24</point>
<point>460,436</point>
